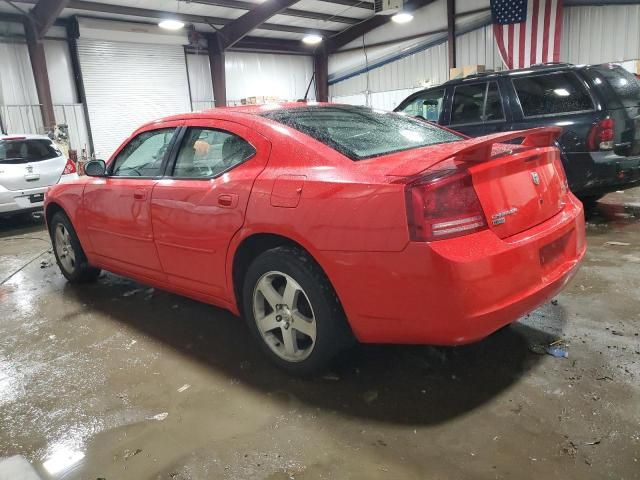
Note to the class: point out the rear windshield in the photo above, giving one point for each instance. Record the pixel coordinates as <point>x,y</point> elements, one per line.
<point>360,133</point>
<point>27,150</point>
<point>624,83</point>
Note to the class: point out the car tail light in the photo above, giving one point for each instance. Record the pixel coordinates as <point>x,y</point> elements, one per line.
<point>443,205</point>
<point>601,135</point>
<point>69,168</point>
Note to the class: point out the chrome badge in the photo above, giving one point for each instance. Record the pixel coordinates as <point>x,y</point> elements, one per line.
<point>535,177</point>
<point>500,217</point>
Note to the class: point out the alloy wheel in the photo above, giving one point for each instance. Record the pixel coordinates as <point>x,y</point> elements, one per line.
<point>64,249</point>
<point>284,316</point>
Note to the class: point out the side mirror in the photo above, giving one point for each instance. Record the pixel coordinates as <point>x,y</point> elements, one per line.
<point>95,168</point>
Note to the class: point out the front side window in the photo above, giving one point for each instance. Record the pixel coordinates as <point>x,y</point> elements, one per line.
<point>477,103</point>
<point>360,133</point>
<point>427,105</point>
<point>552,94</point>
<point>144,155</point>
<point>206,153</point>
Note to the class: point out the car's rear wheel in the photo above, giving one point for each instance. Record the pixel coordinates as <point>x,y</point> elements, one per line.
<point>293,311</point>
<point>68,251</point>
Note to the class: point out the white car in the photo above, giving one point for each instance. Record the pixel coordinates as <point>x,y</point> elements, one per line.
<point>29,164</point>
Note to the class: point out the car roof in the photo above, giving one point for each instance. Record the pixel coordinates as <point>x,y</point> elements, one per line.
<point>534,69</point>
<point>24,136</point>
<point>237,112</point>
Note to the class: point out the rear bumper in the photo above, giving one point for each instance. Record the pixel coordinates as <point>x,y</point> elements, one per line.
<point>460,290</point>
<point>15,201</point>
<point>20,201</point>
<point>597,173</point>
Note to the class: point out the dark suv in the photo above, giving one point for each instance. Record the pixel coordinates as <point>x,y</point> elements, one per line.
<point>598,107</point>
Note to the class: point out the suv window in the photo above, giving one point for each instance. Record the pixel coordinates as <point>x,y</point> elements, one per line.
<point>624,84</point>
<point>27,150</point>
<point>143,156</point>
<point>551,94</point>
<point>207,153</point>
<point>427,105</point>
<point>477,103</point>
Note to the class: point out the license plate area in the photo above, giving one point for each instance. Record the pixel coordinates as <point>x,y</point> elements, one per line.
<point>552,254</point>
<point>36,198</point>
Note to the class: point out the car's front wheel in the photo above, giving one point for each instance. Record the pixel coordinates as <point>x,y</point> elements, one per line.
<point>293,311</point>
<point>68,251</point>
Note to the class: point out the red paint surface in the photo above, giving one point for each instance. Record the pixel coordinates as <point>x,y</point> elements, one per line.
<point>182,235</point>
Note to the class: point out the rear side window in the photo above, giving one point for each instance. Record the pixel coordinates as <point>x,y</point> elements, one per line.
<point>477,103</point>
<point>23,150</point>
<point>427,105</point>
<point>552,94</point>
<point>207,153</point>
<point>624,84</point>
<point>360,133</point>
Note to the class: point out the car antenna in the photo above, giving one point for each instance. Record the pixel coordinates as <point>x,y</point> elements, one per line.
<point>306,94</point>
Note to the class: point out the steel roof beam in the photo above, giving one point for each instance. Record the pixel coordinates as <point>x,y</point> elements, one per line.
<point>291,12</point>
<point>202,19</point>
<point>357,31</point>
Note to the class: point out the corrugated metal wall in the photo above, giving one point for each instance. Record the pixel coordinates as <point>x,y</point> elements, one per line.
<point>478,47</point>
<point>592,34</point>
<point>19,107</point>
<point>596,34</point>
<point>430,66</point>
<point>129,84</point>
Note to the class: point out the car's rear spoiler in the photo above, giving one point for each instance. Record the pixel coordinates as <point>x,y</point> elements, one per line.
<point>472,149</point>
<point>480,150</point>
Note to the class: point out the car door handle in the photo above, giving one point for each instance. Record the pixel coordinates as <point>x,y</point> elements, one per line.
<point>228,200</point>
<point>139,195</point>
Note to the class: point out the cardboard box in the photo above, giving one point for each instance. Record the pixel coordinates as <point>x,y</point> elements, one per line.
<point>472,70</point>
<point>455,73</point>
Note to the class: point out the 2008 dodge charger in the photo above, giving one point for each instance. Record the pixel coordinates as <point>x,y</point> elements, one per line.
<point>322,223</point>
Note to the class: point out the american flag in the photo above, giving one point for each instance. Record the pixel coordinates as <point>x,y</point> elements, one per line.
<point>527,31</point>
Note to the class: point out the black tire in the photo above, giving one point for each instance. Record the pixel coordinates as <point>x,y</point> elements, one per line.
<point>590,202</point>
<point>332,330</point>
<point>81,272</point>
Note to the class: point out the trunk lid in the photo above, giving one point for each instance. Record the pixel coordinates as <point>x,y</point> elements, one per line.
<point>29,162</point>
<point>521,190</point>
<point>24,176</point>
<point>519,186</point>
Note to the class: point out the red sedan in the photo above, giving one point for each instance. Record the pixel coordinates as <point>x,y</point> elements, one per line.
<point>322,223</point>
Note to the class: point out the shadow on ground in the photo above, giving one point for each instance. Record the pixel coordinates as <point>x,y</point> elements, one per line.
<point>415,385</point>
<point>15,225</point>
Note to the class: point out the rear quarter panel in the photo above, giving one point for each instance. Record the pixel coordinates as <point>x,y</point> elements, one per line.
<point>341,205</point>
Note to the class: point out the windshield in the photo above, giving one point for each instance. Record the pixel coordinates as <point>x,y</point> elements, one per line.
<point>624,83</point>
<point>360,133</point>
<point>23,150</point>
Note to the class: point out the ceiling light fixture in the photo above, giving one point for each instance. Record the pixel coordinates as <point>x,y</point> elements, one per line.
<point>312,39</point>
<point>171,24</point>
<point>402,17</point>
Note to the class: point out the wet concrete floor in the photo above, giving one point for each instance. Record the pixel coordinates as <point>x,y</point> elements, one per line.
<point>117,381</point>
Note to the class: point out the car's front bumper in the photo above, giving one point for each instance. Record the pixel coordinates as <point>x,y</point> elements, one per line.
<point>459,290</point>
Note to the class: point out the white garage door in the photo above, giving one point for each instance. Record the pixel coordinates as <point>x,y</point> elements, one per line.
<point>128,84</point>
